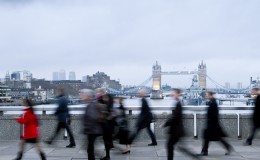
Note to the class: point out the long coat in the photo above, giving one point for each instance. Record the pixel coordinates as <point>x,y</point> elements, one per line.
<point>145,117</point>
<point>213,131</point>
<point>256,114</point>
<point>62,111</point>
<point>30,122</point>
<point>175,122</point>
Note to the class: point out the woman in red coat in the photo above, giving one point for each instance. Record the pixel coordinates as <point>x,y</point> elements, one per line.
<point>30,130</point>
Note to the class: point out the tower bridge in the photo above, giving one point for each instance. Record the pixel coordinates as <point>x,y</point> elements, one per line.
<point>157,74</point>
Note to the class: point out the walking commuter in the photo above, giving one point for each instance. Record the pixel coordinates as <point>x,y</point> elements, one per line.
<point>144,120</point>
<point>93,120</point>
<point>176,129</point>
<point>123,130</point>
<point>213,131</point>
<point>30,130</point>
<point>255,117</point>
<point>63,117</point>
<point>109,124</point>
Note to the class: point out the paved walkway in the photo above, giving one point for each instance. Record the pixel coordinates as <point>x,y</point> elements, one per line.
<point>140,151</point>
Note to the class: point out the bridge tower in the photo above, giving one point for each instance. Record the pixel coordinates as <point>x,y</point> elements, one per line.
<point>202,73</point>
<point>156,88</point>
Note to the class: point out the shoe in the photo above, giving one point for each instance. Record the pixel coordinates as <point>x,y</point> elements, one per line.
<point>229,150</point>
<point>105,158</point>
<point>71,146</point>
<point>126,152</point>
<point>248,143</point>
<point>203,154</point>
<point>152,144</point>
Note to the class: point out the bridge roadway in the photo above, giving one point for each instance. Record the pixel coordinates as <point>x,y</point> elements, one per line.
<point>139,151</point>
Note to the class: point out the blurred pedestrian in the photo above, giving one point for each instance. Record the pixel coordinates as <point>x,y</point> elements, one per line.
<point>63,117</point>
<point>109,124</point>
<point>176,128</point>
<point>30,130</point>
<point>93,120</point>
<point>213,131</point>
<point>123,131</point>
<point>144,120</point>
<point>255,117</point>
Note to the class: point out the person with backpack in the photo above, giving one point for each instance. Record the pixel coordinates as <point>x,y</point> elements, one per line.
<point>30,134</point>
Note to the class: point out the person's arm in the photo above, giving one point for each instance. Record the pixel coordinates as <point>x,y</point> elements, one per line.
<point>27,118</point>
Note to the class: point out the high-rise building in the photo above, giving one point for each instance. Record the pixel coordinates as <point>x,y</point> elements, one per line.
<point>239,85</point>
<point>62,75</point>
<point>27,76</point>
<point>72,76</point>
<point>55,76</point>
<point>16,76</point>
<point>202,73</point>
<point>227,85</point>
<point>84,78</point>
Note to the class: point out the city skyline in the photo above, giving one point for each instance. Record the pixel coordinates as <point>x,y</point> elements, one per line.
<point>124,39</point>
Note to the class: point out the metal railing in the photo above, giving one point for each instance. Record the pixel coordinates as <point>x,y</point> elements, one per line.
<point>191,110</point>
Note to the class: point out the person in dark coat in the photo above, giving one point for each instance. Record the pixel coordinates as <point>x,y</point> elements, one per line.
<point>63,117</point>
<point>213,131</point>
<point>144,119</point>
<point>123,131</point>
<point>108,126</point>
<point>92,120</point>
<point>30,130</point>
<point>255,117</point>
<point>176,128</point>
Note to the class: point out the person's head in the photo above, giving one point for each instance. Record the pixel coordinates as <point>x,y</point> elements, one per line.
<point>87,95</point>
<point>210,95</point>
<point>100,92</point>
<point>142,93</point>
<point>255,91</point>
<point>60,91</point>
<point>176,92</point>
<point>28,103</point>
<point>120,100</point>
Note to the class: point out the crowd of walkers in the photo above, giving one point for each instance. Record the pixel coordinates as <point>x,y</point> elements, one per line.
<point>105,117</point>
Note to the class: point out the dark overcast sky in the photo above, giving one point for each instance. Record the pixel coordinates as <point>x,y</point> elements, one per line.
<point>125,38</point>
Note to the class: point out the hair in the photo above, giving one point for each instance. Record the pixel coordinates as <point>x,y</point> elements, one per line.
<point>211,93</point>
<point>29,103</point>
<point>176,90</point>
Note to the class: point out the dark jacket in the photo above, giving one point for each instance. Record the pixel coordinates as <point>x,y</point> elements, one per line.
<point>256,114</point>
<point>213,129</point>
<point>93,118</point>
<point>175,122</point>
<point>145,117</point>
<point>62,111</point>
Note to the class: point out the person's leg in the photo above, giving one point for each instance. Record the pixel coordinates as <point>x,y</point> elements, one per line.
<point>170,148</point>
<point>205,147</point>
<point>40,151</point>
<point>59,127</point>
<point>183,148</point>
<point>251,136</point>
<point>226,145</point>
<point>152,135</point>
<point>133,136</point>
<point>72,140</point>
<point>91,148</point>
<point>21,150</point>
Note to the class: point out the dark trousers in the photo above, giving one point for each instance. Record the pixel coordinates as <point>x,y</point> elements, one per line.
<point>91,147</point>
<point>151,134</point>
<point>206,145</point>
<point>63,125</point>
<point>172,142</point>
<point>252,135</point>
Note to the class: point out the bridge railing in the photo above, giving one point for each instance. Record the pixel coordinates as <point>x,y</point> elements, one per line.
<point>191,110</point>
